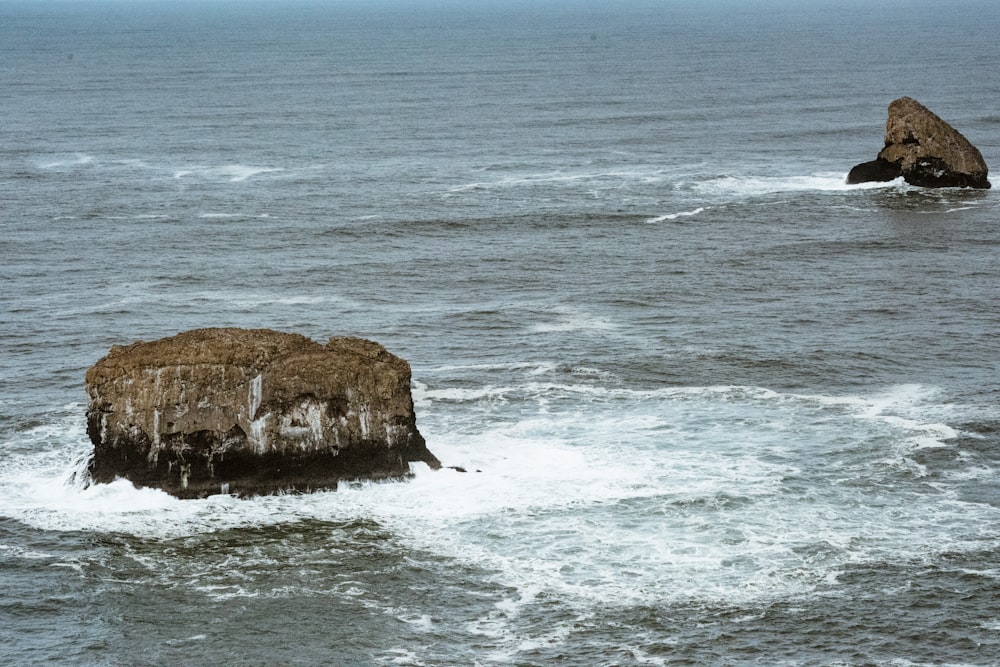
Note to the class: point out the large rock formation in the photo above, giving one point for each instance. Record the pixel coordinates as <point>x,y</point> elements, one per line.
<point>924,150</point>
<point>250,412</point>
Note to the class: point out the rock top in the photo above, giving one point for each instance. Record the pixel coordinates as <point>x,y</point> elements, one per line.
<point>924,150</point>
<point>250,411</point>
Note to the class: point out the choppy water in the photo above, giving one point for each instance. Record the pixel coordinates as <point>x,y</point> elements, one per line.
<point>717,407</point>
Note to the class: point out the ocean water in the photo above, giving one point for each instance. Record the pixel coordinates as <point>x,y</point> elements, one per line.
<point>716,407</point>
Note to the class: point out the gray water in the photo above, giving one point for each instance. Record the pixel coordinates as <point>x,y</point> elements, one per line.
<point>717,406</point>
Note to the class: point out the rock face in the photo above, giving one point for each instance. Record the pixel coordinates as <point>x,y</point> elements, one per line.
<point>924,150</point>
<point>250,412</point>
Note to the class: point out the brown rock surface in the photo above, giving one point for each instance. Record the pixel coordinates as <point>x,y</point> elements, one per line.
<point>250,412</point>
<point>924,150</point>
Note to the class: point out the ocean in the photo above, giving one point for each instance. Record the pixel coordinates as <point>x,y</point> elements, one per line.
<point>716,406</point>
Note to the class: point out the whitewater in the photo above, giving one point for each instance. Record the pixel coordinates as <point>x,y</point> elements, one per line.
<point>715,406</point>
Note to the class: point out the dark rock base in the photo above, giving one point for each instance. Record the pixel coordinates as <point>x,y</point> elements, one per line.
<point>243,474</point>
<point>928,173</point>
<point>875,171</point>
<point>934,173</point>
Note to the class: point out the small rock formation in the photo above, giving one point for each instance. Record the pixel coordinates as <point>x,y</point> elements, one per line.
<point>250,412</point>
<point>924,150</point>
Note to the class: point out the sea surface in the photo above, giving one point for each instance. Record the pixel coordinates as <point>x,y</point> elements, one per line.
<point>716,407</point>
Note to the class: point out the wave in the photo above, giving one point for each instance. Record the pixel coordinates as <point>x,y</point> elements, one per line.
<point>76,160</point>
<point>751,186</point>
<point>232,216</point>
<point>234,173</point>
<point>630,496</point>
<point>679,214</point>
<point>681,181</point>
<point>139,296</point>
<point>574,322</point>
<point>614,177</point>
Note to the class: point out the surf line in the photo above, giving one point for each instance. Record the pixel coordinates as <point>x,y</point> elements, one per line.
<point>674,216</point>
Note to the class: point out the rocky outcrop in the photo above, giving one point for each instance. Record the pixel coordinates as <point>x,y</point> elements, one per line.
<point>250,412</point>
<point>924,150</point>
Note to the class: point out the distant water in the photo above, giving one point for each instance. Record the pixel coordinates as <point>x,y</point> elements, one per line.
<point>718,408</point>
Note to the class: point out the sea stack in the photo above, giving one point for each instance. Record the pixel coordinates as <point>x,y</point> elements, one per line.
<point>251,412</point>
<point>924,150</point>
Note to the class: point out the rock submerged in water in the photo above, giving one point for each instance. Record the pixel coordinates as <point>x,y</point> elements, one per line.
<point>250,412</point>
<point>924,150</point>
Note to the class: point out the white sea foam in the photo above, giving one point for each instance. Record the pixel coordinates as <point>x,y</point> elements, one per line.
<point>227,216</point>
<point>679,214</point>
<point>8,551</point>
<point>573,321</point>
<point>599,182</point>
<point>595,181</point>
<point>401,656</point>
<point>750,186</point>
<point>76,160</point>
<point>230,300</point>
<point>590,492</point>
<point>232,172</point>
<point>498,366</point>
